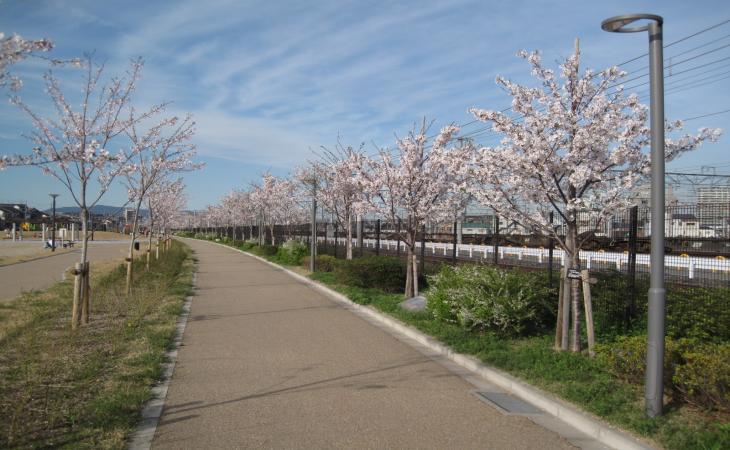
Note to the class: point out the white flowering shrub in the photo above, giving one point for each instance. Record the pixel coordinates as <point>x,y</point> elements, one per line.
<point>487,298</point>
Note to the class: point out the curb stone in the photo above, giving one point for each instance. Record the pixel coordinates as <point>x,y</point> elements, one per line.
<point>558,408</point>
<point>142,437</point>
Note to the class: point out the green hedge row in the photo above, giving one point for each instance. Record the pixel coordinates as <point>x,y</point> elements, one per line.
<point>694,372</point>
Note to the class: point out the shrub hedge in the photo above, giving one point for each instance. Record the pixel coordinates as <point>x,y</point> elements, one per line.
<point>694,372</point>
<point>384,272</point>
<point>323,263</point>
<point>291,252</point>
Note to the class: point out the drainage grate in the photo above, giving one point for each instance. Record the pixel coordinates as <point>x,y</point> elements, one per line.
<point>508,404</point>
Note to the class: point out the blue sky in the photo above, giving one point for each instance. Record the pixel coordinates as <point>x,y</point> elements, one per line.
<point>269,81</point>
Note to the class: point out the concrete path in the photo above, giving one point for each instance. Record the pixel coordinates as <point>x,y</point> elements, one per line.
<point>268,362</point>
<point>44,272</point>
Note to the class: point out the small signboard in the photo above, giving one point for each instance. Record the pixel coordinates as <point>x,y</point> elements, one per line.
<point>574,274</point>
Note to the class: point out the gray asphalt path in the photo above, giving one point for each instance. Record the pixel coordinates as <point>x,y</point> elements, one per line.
<point>268,362</point>
<point>44,272</point>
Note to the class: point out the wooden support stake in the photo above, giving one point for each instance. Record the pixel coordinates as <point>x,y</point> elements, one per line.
<point>566,313</point>
<point>559,324</point>
<point>87,294</point>
<point>589,311</point>
<point>76,308</point>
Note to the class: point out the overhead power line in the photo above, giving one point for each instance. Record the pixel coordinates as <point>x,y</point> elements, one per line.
<point>704,30</point>
<point>707,115</point>
<point>489,129</point>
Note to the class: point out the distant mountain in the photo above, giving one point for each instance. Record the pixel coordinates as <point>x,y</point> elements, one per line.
<point>104,210</point>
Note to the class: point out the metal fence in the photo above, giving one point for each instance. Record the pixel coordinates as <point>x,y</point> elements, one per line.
<point>616,253</point>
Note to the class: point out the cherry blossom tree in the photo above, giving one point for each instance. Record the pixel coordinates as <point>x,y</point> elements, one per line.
<point>74,146</point>
<point>13,49</point>
<point>153,155</point>
<point>415,185</point>
<point>247,210</point>
<point>239,210</point>
<point>276,202</point>
<point>165,201</point>
<point>579,148</point>
<point>337,188</point>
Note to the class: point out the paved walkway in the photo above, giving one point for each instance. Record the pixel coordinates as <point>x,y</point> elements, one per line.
<point>269,362</point>
<point>44,272</point>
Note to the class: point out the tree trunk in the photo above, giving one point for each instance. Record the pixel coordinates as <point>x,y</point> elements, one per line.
<point>348,245</point>
<point>574,264</point>
<point>409,273</point>
<point>130,253</point>
<point>149,242</point>
<point>79,273</point>
<point>414,266</point>
<point>76,308</point>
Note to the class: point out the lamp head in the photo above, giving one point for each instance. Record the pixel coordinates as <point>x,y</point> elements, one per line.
<point>618,24</point>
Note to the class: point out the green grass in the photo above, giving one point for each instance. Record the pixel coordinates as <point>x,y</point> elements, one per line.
<point>576,378</point>
<point>85,388</point>
<point>573,377</point>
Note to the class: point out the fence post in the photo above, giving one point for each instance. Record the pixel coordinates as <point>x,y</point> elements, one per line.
<point>631,270</point>
<point>423,248</point>
<point>495,239</point>
<point>377,237</point>
<point>455,246</point>
<point>551,248</point>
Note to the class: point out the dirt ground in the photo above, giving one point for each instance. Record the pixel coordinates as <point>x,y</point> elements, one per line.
<point>43,272</point>
<point>35,236</point>
<point>15,252</point>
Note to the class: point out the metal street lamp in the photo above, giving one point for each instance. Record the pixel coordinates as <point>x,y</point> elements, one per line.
<point>654,387</point>
<point>53,231</point>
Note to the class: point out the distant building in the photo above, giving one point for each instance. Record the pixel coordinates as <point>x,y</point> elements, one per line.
<point>713,205</point>
<point>129,216</point>
<point>641,196</point>
<point>714,195</point>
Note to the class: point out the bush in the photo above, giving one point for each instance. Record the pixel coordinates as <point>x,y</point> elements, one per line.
<point>246,245</point>
<point>626,358</point>
<point>704,377</point>
<point>702,313</point>
<point>265,250</point>
<point>323,263</point>
<point>483,297</point>
<point>694,372</point>
<point>383,272</point>
<point>291,252</point>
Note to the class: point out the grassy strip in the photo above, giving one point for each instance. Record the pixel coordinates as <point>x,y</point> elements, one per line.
<point>85,389</point>
<point>581,380</point>
<point>576,378</point>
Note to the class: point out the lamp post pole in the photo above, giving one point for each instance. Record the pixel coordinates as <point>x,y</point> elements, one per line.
<point>53,220</point>
<point>654,385</point>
